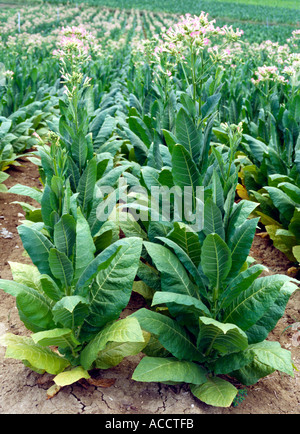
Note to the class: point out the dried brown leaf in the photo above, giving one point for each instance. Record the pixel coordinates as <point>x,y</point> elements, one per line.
<point>102,382</point>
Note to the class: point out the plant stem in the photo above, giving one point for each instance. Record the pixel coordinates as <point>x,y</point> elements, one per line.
<point>186,79</point>
<point>193,73</point>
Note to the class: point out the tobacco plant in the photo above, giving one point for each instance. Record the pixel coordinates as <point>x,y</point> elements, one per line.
<point>73,294</point>
<point>273,179</point>
<point>71,300</point>
<point>210,311</point>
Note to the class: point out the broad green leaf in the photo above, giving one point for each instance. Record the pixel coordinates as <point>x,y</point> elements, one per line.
<point>170,334</point>
<point>165,177</point>
<point>115,352</point>
<point>61,267</point>
<point>158,229</point>
<point>267,357</point>
<point>70,311</point>
<point>24,190</point>
<point>294,225</point>
<point>186,176</point>
<point>215,391</point>
<point>112,177</point>
<point>240,244</point>
<point>63,338</point>
<point>85,247</point>
<point>283,240</point>
<point>187,134</point>
<point>217,191</point>
<point>215,260</point>
<point>251,373</point>
<point>128,225</point>
<point>158,156</point>
<point>101,212</point>
<point>71,376</point>
<point>37,246</point>
<point>65,234</point>
<point>73,173</point>
<point>239,214</point>
<point>40,358</point>
<point>210,105</point>
<point>105,132</point>
<point>282,202</point>
<point>100,115</point>
<point>186,302</point>
<point>100,262</point>
<point>233,362</point>
<point>140,129</point>
<point>57,186</point>
<point>213,221</point>
<point>149,275</point>
<point>170,139</point>
<point>125,330</point>
<point>257,147</point>
<point>254,302</point>
<point>188,264</point>
<point>150,177</point>
<point>111,291</point>
<point>260,330</point>
<point>50,288</point>
<point>240,283</point>
<point>271,354</point>
<point>26,274</point>
<point>225,338</point>
<point>79,150</point>
<point>188,240</point>
<point>154,348</point>
<point>48,204</point>
<point>87,183</point>
<point>36,308</point>
<point>140,149</point>
<point>174,277</point>
<point>11,287</point>
<point>164,370</point>
<point>291,190</point>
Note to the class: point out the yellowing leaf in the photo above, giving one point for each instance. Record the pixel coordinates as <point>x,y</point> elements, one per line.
<point>69,377</point>
<point>52,391</point>
<point>242,192</point>
<point>296,252</point>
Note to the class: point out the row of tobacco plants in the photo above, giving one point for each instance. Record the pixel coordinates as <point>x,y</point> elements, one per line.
<point>174,119</point>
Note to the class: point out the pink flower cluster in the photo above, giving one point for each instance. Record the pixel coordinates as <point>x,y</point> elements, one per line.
<point>268,73</point>
<point>193,31</point>
<point>74,44</point>
<point>296,34</point>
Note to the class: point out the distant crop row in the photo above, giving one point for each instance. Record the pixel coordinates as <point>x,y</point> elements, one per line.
<point>231,9</point>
